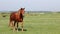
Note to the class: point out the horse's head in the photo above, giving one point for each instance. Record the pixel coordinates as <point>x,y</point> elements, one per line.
<point>22,11</point>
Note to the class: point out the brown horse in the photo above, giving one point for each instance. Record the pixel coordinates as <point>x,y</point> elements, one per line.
<point>16,17</point>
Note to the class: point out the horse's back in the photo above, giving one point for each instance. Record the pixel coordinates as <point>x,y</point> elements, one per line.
<point>12,16</point>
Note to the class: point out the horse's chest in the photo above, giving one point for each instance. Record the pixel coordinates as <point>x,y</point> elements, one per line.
<point>18,18</point>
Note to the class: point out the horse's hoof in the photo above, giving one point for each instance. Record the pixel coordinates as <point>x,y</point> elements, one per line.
<point>17,30</point>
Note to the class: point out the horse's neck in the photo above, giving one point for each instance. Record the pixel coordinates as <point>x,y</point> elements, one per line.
<point>19,14</point>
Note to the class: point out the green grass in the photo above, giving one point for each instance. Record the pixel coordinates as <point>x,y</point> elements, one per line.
<point>39,24</point>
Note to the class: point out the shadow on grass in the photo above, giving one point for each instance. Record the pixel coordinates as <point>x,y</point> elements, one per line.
<point>19,29</point>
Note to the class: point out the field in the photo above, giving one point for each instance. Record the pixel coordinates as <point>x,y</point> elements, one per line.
<point>48,23</point>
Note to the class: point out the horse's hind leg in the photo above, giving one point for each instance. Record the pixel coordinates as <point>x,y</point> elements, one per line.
<point>11,23</point>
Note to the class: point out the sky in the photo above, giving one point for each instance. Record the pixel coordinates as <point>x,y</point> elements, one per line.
<point>30,5</point>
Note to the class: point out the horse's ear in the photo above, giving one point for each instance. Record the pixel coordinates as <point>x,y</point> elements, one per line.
<point>22,8</point>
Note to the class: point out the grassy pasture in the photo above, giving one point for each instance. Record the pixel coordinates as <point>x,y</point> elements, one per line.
<point>48,23</point>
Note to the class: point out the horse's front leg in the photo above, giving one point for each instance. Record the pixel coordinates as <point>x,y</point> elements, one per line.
<point>17,27</point>
<point>14,25</point>
<point>22,26</point>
